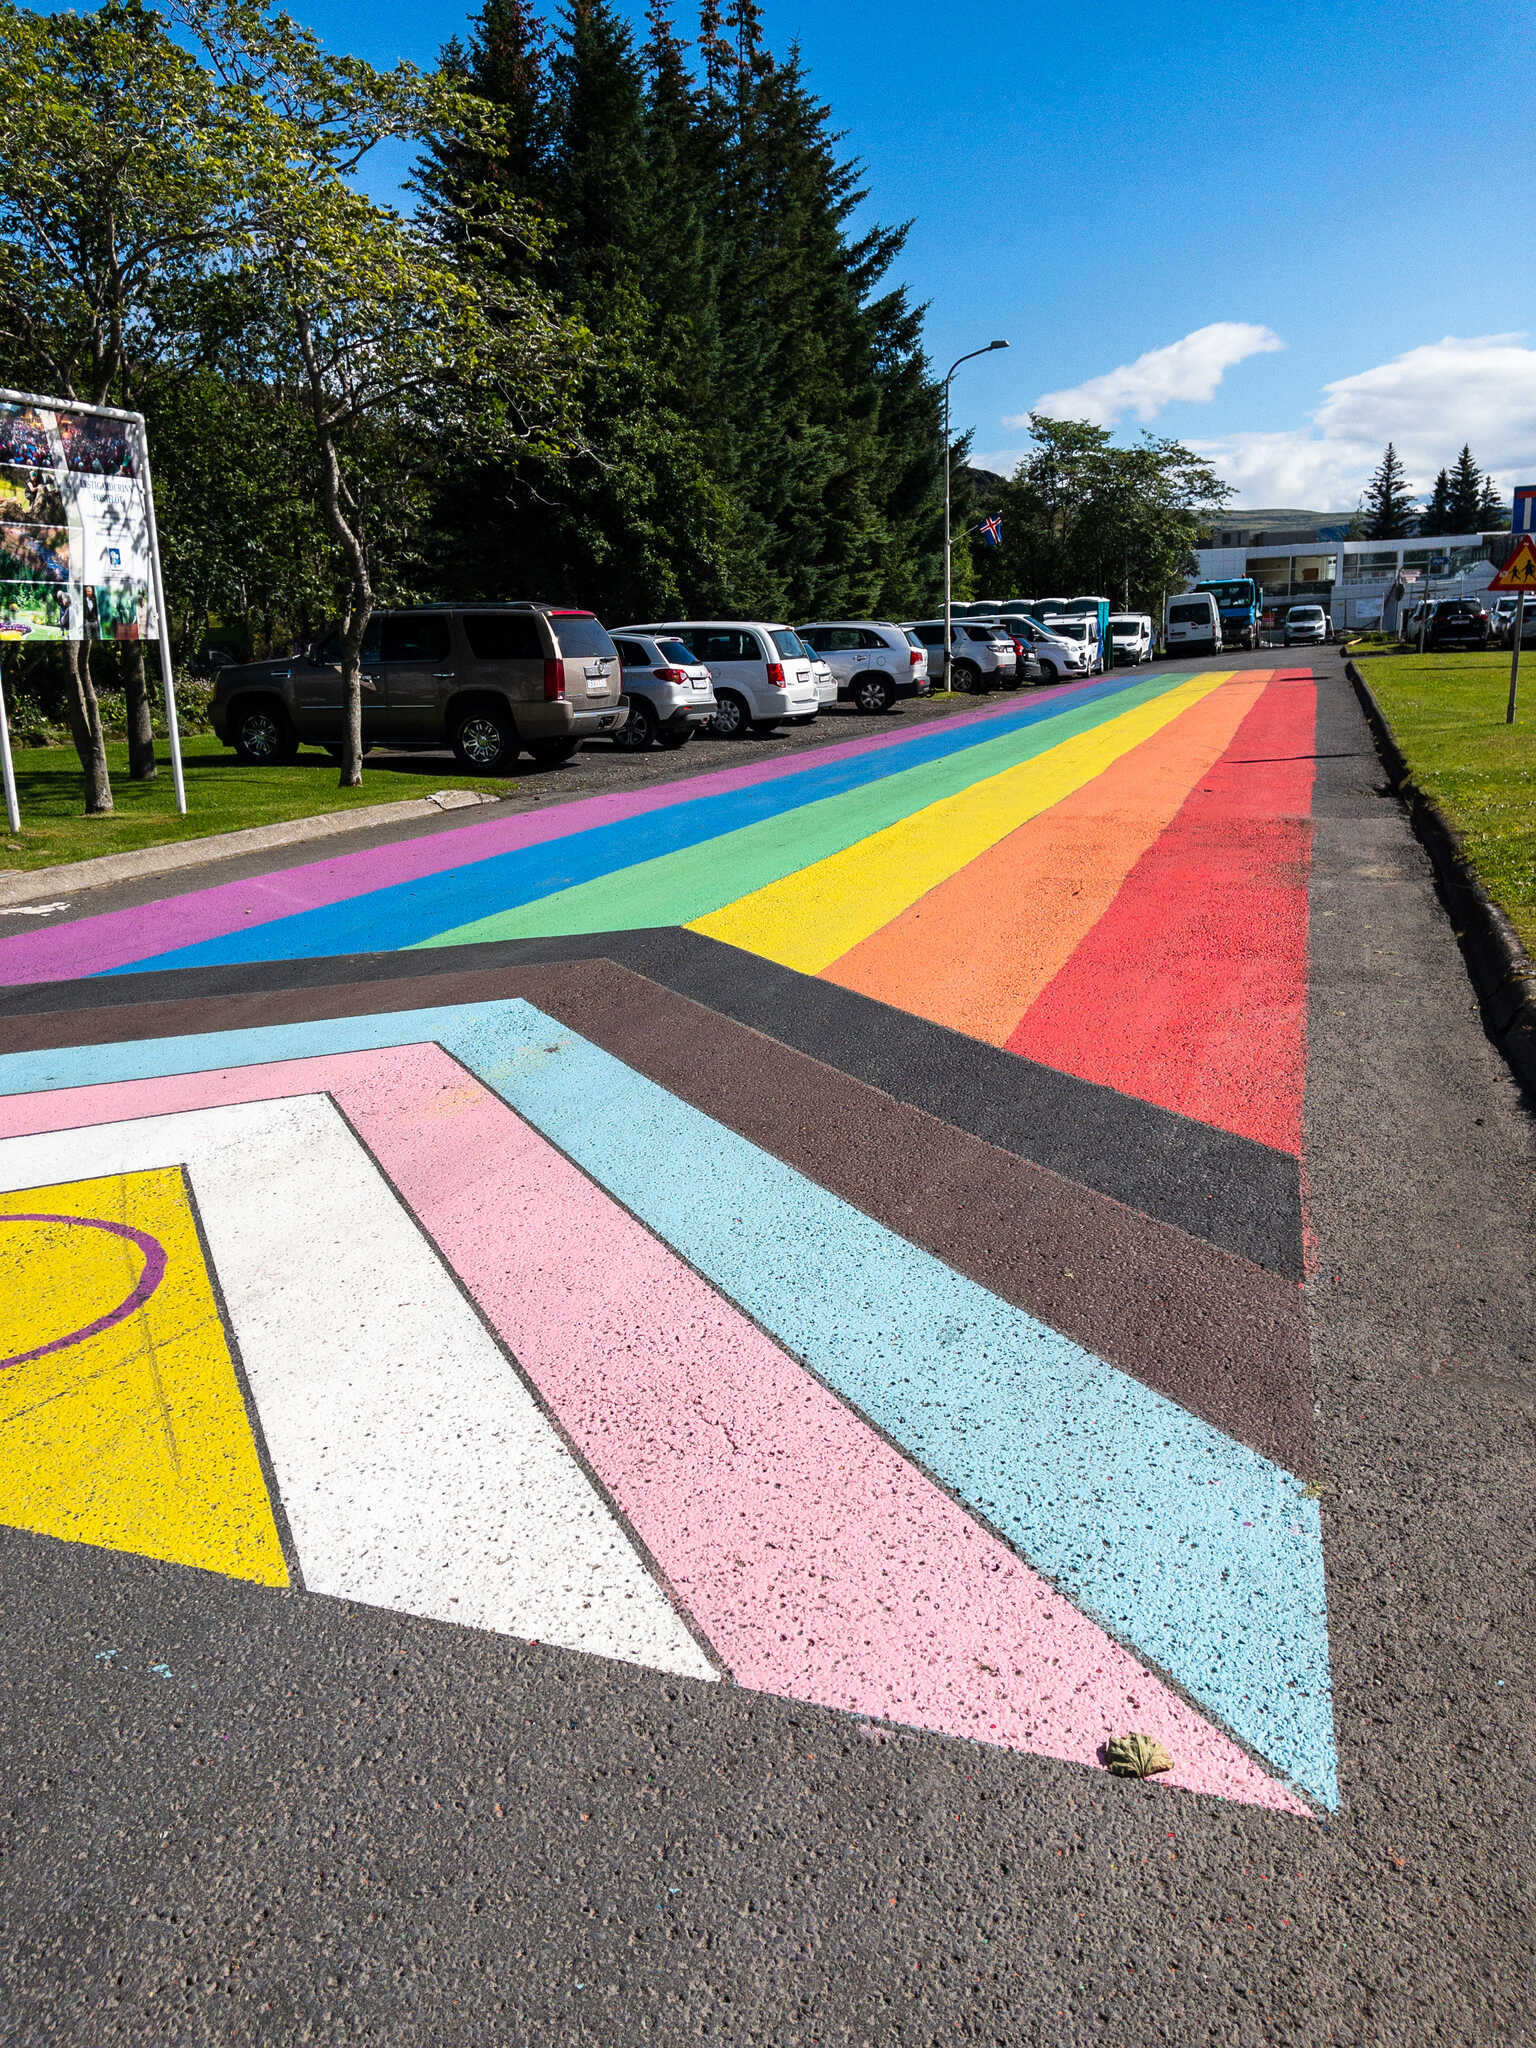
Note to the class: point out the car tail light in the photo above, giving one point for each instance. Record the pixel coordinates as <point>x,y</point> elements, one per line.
<point>554,681</point>
<point>670,675</point>
<point>776,672</point>
<point>917,656</point>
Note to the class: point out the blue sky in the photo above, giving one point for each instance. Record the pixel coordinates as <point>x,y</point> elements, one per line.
<point>1320,183</point>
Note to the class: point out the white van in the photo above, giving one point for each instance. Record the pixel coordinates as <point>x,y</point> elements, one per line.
<point>1193,624</point>
<point>1130,637</point>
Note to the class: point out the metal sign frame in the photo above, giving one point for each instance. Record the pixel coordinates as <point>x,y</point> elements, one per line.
<point>167,680</point>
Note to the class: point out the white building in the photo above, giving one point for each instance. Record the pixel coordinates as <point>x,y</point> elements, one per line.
<point>1355,578</point>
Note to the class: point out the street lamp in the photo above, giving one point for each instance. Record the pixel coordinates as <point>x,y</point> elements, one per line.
<point>948,630</point>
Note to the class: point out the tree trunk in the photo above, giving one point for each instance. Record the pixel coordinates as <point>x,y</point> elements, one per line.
<point>85,724</point>
<point>141,731</point>
<point>360,596</point>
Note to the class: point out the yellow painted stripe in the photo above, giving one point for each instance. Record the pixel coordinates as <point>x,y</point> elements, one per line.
<point>135,1438</point>
<point>813,916</point>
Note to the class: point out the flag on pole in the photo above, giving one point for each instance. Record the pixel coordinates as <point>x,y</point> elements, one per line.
<point>991,530</point>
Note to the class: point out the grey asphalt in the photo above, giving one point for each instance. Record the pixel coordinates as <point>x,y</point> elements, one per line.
<point>329,1823</point>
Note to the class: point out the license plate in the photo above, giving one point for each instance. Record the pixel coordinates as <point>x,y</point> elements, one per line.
<point>596,689</point>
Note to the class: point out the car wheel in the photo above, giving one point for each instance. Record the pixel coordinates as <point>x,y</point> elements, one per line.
<point>262,734</point>
<point>637,732</point>
<point>733,719</point>
<point>873,693</point>
<point>964,675</point>
<point>485,740</point>
<point>554,753</point>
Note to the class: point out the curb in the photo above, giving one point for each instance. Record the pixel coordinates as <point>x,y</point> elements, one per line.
<point>34,883</point>
<point>1501,970</point>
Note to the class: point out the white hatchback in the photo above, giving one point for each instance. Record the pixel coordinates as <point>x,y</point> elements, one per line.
<point>763,674</point>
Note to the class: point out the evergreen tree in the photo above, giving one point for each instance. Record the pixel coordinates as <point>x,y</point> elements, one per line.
<point>1466,494</point>
<point>1386,504</point>
<point>1493,515</point>
<point>1436,516</point>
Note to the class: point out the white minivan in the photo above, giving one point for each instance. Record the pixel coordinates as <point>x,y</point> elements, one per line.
<point>1192,624</point>
<point>1130,637</point>
<point>764,675</point>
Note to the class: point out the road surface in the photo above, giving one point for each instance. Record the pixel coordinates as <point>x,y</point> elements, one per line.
<point>604,1411</point>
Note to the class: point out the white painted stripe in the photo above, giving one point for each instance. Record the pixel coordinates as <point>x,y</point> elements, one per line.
<point>416,1470</point>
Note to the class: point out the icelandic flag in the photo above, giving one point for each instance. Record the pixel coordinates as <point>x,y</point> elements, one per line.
<point>991,530</point>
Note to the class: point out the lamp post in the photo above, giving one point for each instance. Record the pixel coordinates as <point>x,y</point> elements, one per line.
<point>948,627</point>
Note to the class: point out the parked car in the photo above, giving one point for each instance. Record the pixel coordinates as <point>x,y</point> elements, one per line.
<point>1306,625</point>
<point>1192,624</point>
<point>668,694</point>
<point>981,658</point>
<point>1017,630</point>
<point>826,681</point>
<point>491,681</point>
<point>763,676</point>
<point>1457,622</point>
<point>1130,637</point>
<point>1501,620</point>
<point>1059,657</point>
<point>874,663</point>
<point>1082,627</point>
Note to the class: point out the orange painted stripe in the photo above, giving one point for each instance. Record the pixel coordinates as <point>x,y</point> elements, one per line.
<point>976,951</point>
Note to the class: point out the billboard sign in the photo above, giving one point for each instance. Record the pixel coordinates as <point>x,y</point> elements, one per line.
<point>76,552</point>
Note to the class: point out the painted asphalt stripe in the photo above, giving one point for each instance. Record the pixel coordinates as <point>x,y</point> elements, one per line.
<point>413,911</point>
<point>133,1435</point>
<point>415,1467</point>
<point>1183,1543</point>
<point>805,920</point>
<point>819,1562</point>
<point>1240,1196</point>
<point>978,949</point>
<point>1211,1018</point>
<point>705,869</point>
<point>122,938</point>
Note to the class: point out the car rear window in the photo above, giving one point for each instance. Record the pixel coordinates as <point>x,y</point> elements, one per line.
<point>789,642</point>
<point>503,636</point>
<point>579,633</point>
<point>912,640</point>
<point>1186,615</point>
<point>421,638</point>
<point>677,651</point>
<point>723,643</point>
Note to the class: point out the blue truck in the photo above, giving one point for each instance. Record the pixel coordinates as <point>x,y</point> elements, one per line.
<point>1237,599</point>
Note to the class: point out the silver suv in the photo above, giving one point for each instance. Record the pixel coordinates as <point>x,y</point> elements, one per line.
<point>873,662</point>
<point>668,693</point>
<point>982,656</point>
<point>488,680</point>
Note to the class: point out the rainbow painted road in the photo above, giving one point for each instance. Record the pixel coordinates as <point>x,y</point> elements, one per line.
<point>831,1225</point>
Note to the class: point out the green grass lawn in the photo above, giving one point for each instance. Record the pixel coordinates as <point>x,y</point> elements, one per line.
<point>1447,713</point>
<point>223,795</point>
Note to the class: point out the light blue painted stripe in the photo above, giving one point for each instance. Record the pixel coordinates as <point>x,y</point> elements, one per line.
<point>406,913</point>
<point>1189,1546</point>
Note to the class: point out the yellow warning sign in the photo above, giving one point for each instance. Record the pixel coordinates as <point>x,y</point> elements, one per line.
<point>1519,572</point>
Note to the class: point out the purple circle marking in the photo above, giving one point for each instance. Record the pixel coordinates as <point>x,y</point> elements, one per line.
<point>149,1279</point>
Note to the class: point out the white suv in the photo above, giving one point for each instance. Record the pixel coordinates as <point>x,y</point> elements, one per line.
<point>762,674</point>
<point>873,662</point>
<point>982,657</point>
<point>668,693</point>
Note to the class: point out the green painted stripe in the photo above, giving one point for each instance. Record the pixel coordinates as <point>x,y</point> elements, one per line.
<point>675,888</point>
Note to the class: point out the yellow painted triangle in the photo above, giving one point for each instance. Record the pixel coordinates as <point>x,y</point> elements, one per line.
<point>1519,572</point>
<point>122,1421</point>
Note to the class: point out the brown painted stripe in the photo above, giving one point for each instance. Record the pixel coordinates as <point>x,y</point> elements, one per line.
<point>1215,1333</point>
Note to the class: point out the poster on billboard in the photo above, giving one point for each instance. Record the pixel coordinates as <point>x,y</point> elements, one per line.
<point>76,551</point>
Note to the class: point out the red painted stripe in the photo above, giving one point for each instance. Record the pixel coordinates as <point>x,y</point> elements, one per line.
<point>1190,992</point>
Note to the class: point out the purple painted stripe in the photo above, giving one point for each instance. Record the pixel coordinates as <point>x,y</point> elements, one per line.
<point>150,1276</point>
<point>94,945</point>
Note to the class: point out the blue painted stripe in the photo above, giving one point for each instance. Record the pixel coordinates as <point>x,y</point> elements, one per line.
<point>1192,1548</point>
<point>406,913</point>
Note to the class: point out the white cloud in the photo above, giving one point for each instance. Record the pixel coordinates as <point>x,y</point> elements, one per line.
<point>1480,389</point>
<point>1187,372</point>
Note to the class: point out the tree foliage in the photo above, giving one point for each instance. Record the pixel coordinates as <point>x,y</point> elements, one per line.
<point>1386,503</point>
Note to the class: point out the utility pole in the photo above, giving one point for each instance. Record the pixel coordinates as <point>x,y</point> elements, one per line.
<point>948,580</point>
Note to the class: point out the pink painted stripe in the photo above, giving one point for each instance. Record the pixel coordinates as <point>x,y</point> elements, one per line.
<point>818,1561</point>
<point>94,945</point>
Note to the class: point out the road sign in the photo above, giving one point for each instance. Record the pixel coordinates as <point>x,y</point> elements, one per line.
<point>1519,572</point>
<point>1525,508</point>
